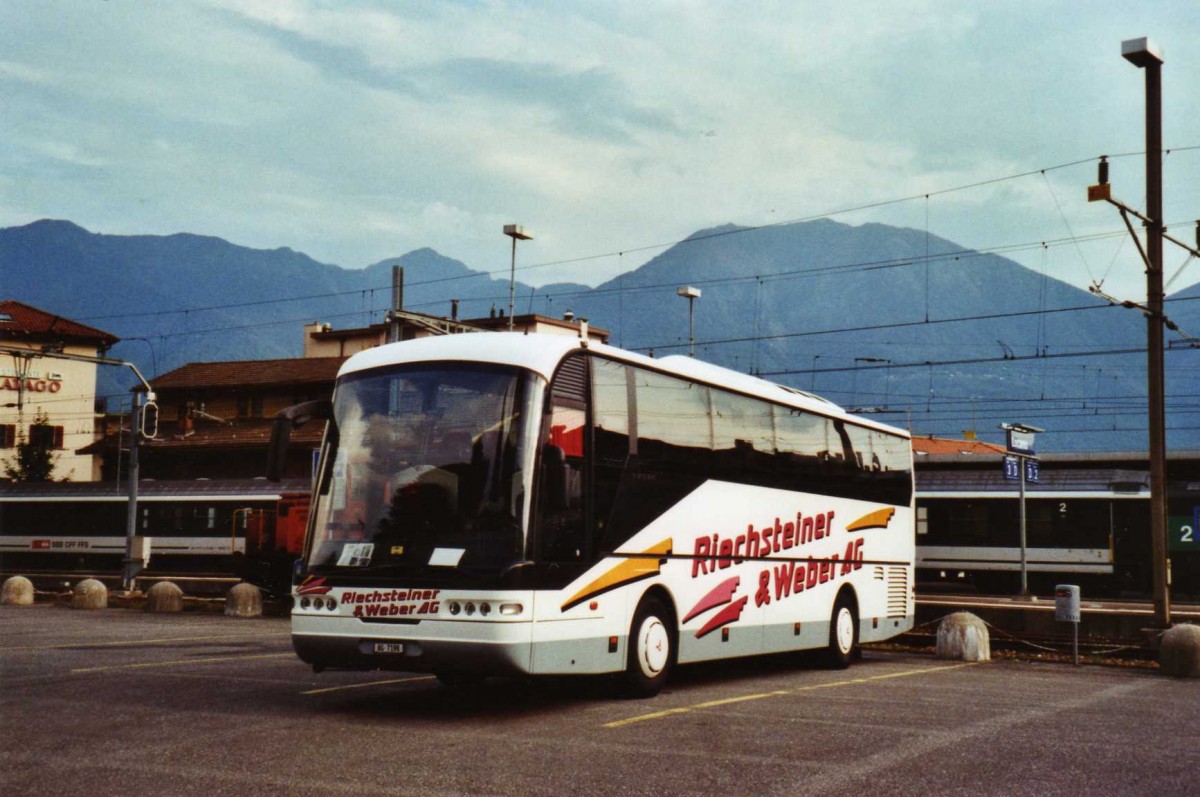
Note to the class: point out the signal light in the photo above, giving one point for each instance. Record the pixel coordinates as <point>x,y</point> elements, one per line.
<point>149,426</point>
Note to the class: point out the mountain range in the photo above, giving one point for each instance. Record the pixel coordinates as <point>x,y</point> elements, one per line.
<point>908,327</point>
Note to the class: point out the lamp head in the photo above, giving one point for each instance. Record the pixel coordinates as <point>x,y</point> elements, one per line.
<point>1141,52</point>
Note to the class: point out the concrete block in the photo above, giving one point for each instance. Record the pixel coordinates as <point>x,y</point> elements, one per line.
<point>1179,652</point>
<point>18,591</point>
<point>963,636</point>
<point>89,594</point>
<point>164,596</point>
<point>244,600</point>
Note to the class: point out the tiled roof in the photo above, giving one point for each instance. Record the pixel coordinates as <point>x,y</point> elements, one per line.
<point>240,434</point>
<point>151,488</point>
<point>247,373</point>
<point>19,321</point>
<point>940,445</point>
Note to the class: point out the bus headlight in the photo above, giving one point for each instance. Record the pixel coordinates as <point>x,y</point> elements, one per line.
<point>485,609</point>
<point>455,608</point>
<point>510,609</point>
<point>469,608</point>
<point>305,603</point>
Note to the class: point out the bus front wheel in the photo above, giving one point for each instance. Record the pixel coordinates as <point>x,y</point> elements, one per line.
<point>651,649</point>
<point>843,632</point>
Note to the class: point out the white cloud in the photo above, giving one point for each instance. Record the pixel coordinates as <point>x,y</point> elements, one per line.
<point>357,132</point>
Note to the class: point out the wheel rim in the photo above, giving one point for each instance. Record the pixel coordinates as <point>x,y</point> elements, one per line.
<point>654,647</point>
<point>844,630</point>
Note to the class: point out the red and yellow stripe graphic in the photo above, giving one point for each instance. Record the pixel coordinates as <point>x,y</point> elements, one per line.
<point>627,572</point>
<point>879,519</point>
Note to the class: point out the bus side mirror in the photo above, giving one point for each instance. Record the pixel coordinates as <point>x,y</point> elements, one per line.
<point>554,477</point>
<point>281,431</point>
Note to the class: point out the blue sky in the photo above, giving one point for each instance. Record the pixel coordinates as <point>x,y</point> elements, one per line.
<point>358,131</point>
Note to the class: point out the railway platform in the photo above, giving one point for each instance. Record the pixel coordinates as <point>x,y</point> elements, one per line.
<point>1103,623</point>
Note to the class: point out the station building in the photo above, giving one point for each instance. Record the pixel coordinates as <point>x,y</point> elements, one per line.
<point>34,384</point>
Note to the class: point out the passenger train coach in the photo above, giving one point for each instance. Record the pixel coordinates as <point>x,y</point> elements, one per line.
<point>1087,523</point>
<point>247,528</point>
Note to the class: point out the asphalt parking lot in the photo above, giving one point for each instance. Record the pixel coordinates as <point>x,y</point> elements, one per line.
<point>117,702</point>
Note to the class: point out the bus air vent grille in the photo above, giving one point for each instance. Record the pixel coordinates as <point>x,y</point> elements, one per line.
<point>897,591</point>
<point>570,381</point>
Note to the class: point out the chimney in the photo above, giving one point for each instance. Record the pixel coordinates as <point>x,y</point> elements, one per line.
<point>454,309</point>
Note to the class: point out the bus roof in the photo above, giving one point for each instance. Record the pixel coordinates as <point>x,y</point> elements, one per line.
<point>541,353</point>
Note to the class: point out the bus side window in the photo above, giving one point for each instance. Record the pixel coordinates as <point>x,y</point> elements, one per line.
<point>562,536</point>
<point>612,394</point>
<point>561,499</point>
<point>661,453</point>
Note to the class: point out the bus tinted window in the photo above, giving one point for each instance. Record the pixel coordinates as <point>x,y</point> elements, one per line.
<point>742,423</point>
<point>673,420</point>
<point>802,438</point>
<point>610,392</point>
<point>876,451</point>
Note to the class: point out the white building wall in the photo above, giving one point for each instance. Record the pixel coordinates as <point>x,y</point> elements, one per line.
<point>65,391</point>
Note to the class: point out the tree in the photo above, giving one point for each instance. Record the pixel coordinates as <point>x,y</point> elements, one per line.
<point>35,459</point>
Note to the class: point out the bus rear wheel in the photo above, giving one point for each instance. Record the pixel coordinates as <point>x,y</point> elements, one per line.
<point>843,633</point>
<point>651,649</point>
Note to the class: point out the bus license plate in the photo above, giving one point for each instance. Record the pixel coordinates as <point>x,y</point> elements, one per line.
<point>389,647</point>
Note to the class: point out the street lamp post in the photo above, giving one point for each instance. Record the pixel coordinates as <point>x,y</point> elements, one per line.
<point>1144,55</point>
<point>516,232</point>
<point>691,294</point>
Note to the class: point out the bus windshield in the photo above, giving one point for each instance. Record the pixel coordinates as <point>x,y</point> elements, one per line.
<point>426,471</point>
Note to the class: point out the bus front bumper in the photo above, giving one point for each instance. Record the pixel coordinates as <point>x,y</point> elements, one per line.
<point>428,646</point>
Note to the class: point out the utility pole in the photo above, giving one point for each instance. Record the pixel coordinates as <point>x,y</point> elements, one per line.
<point>393,333</point>
<point>1143,54</point>
<point>130,566</point>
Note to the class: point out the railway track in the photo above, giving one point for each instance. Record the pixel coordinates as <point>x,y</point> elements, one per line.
<point>1113,631</point>
<point>1181,612</point>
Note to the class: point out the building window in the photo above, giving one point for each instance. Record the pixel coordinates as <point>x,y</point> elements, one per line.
<point>8,435</point>
<point>44,436</point>
<point>249,406</point>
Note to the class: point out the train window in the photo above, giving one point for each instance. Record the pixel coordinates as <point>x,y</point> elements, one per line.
<point>1067,524</point>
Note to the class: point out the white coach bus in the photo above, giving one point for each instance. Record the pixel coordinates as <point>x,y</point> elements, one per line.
<point>534,504</point>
